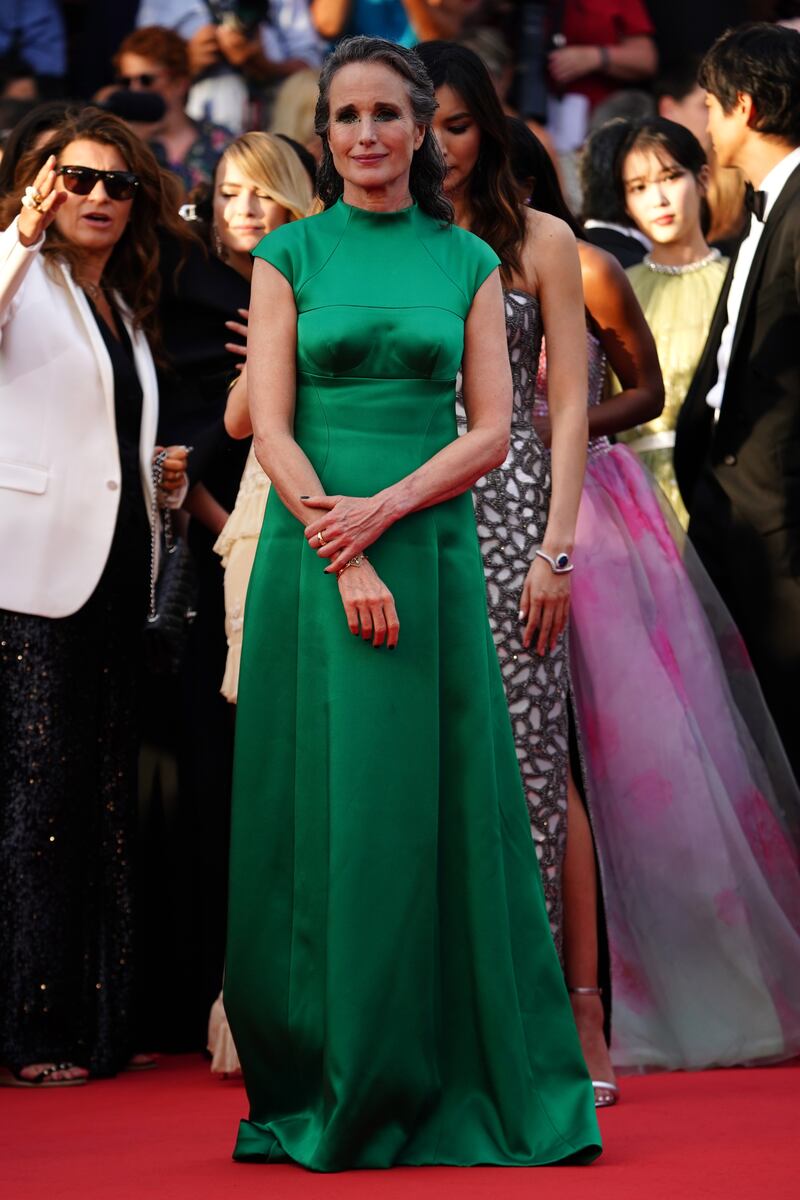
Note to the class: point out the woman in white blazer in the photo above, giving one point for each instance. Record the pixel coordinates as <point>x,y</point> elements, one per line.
<point>78,409</point>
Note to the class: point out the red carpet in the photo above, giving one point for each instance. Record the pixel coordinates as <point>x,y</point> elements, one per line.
<point>167,1135</point>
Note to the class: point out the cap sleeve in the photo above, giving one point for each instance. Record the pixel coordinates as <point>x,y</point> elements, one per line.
<point>277,251</point>
<point>483,262</point>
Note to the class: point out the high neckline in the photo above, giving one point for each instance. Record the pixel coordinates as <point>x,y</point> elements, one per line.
<point>714,255</point>
<point>369,214</point>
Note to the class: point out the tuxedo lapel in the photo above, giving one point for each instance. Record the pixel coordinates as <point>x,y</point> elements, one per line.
<point>790,193</point>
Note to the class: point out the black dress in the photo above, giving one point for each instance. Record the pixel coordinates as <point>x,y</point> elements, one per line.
<point>69,745</point>
<point>187,765</point>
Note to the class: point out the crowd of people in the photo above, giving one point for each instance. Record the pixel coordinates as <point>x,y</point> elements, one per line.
<point>523,269</point>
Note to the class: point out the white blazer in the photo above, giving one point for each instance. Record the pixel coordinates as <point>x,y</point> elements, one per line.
<point>59,459</point>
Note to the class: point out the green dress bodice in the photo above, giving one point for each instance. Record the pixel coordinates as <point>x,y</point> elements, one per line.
<point>391,981</point>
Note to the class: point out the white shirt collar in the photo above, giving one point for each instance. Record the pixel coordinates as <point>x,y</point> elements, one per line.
<point>774,181</point>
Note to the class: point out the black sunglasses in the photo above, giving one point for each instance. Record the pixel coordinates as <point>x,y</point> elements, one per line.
<point>146,81</point>
<point>119,185</point>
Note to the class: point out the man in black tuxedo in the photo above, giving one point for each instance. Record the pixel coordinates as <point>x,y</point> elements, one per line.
<point>737,451</point>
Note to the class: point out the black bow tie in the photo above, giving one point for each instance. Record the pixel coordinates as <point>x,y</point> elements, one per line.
<point>755,202</point>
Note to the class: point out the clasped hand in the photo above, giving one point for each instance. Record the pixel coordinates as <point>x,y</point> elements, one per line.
<point>349,525</point>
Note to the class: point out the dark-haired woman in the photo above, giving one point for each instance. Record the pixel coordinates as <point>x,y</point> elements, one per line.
<point>605,221</point>
<point>514,504</point>
<point>391,982</point>
<point>528,590</point>
<point>28,134</point>
<point>664,176</point>
<point>78,412</point>
<point>695,814</point>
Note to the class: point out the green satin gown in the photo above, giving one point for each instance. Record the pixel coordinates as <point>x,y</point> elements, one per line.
<point>391,981</point>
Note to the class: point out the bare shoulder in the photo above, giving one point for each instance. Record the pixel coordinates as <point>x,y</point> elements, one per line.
<point>547,234</point>
<point>599,270</point>
<point>549,243</point>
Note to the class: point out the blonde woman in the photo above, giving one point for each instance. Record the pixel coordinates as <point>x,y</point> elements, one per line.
<point>260,184</point>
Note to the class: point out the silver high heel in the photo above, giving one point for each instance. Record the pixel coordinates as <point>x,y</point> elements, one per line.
<point>606,1094</point>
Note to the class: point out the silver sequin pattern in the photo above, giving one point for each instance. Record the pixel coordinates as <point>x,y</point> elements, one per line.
<point>511,506</point>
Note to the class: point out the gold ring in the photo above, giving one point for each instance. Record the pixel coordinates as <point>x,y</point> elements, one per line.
<point>321,539</point>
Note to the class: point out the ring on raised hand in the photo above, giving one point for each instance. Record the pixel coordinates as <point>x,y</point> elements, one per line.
<point>32,198</point>
<point>321,539</point>
<point>29,202</point>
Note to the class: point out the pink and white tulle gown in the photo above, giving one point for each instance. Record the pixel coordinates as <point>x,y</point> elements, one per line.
<point>694,808</point>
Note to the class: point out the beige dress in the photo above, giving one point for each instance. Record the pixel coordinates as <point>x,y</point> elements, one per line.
<point>236,546</point>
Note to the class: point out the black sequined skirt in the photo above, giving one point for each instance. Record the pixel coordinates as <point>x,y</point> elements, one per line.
<point>68,749</point>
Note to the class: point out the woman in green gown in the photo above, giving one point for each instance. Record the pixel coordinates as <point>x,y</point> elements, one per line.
<point>392,985</point>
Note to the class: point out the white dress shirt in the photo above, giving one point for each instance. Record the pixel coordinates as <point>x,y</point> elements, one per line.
<point>772,186</point>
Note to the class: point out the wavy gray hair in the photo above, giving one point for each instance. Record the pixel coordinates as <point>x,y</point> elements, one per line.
<point>426,181</point>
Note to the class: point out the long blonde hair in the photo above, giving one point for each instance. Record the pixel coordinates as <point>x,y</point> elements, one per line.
<point>272,163</point>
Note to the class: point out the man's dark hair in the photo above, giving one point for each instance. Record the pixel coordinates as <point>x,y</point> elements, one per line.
<point>677,79</point>
<point>762,61</point>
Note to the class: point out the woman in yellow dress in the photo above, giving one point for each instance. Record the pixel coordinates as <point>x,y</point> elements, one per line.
<point>664,178</point>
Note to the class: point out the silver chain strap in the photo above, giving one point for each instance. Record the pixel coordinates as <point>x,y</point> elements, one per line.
<point>158,476</point>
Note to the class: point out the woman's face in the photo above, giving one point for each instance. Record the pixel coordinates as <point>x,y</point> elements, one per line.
<point>244,210</point>
<point>661,196</point>
<point>458,135</point>
<point>94,222</point>
<point>372,133</point>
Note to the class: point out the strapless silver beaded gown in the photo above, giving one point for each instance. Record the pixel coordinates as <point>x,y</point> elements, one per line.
<point>511,506</point>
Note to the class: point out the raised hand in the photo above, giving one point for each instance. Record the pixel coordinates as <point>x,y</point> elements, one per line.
<point>41,202</point>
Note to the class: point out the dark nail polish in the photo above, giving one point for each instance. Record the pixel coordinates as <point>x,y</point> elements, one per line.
<point>304,497</point>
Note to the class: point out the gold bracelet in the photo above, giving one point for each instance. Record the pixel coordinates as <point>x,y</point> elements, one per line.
<point>354,562</point>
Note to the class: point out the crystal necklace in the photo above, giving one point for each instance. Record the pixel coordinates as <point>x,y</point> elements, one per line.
<point>663,269</point>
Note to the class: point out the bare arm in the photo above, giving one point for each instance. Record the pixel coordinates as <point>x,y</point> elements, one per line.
<point>561,297</point>
<point>330,16</point>
<point>237,409</point>
<point>436,18</point>
<point>552,271</point>
<point>201,505</point>
<point>631,59</point>
<point>351,525</point>
<point>627,341</point>
<point>272,343</point>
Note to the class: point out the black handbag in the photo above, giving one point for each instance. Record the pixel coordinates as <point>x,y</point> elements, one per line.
<point>173,590</point>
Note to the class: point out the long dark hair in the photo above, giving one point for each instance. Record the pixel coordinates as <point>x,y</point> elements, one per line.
<point>531,162</point>
<point>42,119</point>
<point>495,215</point>
<point>658,134</point>
<point>426,181</point>
<point>133,268</point>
